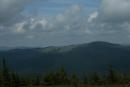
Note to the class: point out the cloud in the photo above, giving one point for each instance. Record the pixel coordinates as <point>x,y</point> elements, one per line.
<point>38,23</point>
<point>112,17</point>
<point>76,8</point>
<point>92,17</point>
<point>60,18</point>
<point>30,36</point>
<point>115,10</point>
<point>72,21</point>
<point>11,8</point>
<point>19,27</point>
<point>58,23</point>
<point>109,23</point>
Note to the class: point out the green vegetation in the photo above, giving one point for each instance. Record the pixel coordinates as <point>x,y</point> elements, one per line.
<point>83,57</point>
<point>85,86</point>
<point>61,78</point>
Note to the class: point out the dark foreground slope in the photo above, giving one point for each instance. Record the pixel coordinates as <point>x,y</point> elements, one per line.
<point>76,58</point>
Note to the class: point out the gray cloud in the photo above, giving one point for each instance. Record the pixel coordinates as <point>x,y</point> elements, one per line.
<point>112,17</point>
<point>109,23</point>
<point>115,10</point>
<point>11,8</point>
<point>68,20</point>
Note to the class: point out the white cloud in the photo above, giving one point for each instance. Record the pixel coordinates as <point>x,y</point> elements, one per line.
<point>72,21</point>
<point>60,18</point>
<point>76,8</point>
<point>38,23</point>
<point>110,23</point>
<point>92,17</point>
<point>60,22</point>
<point>19,27</point>
<point>112,18</point>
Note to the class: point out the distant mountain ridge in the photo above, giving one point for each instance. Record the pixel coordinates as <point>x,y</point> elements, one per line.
<point>12,48</point>
<point>80,58</point>
<point>5,48</point>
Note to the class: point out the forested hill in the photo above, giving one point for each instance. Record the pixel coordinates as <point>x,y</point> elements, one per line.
<point>81,58</point>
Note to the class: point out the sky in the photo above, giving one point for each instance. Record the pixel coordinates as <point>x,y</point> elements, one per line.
<point>41,23</point>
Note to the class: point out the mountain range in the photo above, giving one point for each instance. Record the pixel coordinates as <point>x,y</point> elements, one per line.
<point>81,58</point>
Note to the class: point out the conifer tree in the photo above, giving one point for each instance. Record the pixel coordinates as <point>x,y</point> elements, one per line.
<point>61,76</point>
<point>95,78</point>
<point>85,80</point>
<point>15,80</point>
<point>0,74</point>
<point>6,79</point>
<point>74,80</point>
<point>49,79</point>
<point>112,76</point>
<point>37,81</point>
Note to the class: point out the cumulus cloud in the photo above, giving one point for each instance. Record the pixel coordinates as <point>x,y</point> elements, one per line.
<point>112,17</point>
<point>60,18</point>
<point>19,27</point>
<point>92,17</point>
<point>115,10</point>
<point>71,20</point>
<point>58,23</point>
<point>111,22</point>
<point>38,23</point>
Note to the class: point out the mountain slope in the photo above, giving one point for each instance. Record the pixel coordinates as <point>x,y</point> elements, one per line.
<point>82,58</point>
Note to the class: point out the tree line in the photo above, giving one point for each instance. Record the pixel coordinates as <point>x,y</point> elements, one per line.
<point>9,78</point>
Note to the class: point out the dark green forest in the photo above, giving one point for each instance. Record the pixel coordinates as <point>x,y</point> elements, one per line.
<point>61,78</point>
<point>82,58</point>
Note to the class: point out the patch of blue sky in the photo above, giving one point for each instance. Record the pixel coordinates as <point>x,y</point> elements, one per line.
<point>52,7</point>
